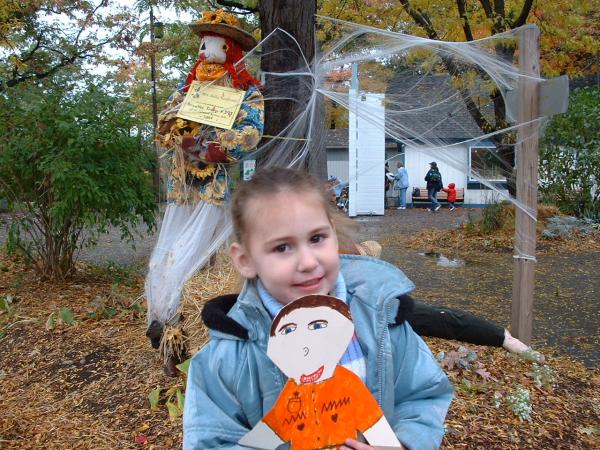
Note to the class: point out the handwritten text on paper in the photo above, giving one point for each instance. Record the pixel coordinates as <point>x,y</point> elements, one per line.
<point>211,105</point>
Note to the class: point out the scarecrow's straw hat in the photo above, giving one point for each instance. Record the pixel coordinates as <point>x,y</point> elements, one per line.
<point>226,24</point>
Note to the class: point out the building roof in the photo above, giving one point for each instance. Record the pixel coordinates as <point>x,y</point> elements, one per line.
<point>427,108</point>
<point>430,108</point>
<point>338,138</point>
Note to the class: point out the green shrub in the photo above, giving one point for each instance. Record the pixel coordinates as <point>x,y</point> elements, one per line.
<point>72,163</point>
<point>570,156</point>
<point>492,218</point>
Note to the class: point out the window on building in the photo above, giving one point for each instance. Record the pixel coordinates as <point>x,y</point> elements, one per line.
<point>486,164</point>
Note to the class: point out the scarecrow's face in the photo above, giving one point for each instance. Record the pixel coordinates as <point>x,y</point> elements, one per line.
<point>213,49</point>
<point>309,342</point>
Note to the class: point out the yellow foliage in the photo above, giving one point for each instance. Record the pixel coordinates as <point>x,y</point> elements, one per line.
<point>570,38</point>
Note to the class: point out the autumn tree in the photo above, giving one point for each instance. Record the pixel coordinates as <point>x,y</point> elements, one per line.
<point>570,29</point>
<point>569,42</point>
<point>38,38</point>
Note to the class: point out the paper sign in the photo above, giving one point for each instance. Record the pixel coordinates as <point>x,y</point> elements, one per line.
<point>249,169</point>
<point>217,106</point>
<point>322,402</point>
<point>553,98</point>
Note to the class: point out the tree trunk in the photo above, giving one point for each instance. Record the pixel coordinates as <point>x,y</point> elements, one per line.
<point>297,17</point>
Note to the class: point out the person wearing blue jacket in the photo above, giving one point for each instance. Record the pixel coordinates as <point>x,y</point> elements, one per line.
<point>401,184</point>
<point>286,247</point>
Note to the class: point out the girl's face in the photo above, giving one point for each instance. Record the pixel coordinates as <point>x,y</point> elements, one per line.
<point>290,245</point>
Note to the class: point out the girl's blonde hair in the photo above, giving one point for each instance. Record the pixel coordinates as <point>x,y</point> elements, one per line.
<point>273,180</point>
<point>267,182</point>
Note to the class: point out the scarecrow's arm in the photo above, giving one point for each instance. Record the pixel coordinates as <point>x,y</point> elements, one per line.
<point>246,133</point>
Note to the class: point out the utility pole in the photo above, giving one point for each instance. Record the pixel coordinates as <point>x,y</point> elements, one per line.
<point>156,175</point>
<point>527,180</point>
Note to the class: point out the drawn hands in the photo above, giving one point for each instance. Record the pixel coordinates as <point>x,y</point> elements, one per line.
<point>352,444</point>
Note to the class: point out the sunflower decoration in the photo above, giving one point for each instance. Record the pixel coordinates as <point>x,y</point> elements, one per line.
<point>249,138</point>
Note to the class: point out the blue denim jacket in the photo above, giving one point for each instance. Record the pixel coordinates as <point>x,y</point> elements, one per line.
<point>232,382</point>
<point>401,179</point>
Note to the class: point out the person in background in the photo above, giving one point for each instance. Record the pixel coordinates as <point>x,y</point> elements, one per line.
<point>389,178</point>
<point>401,184</point>
<point>451,191</point>
<point>331,188</point>
<point>434,185</point>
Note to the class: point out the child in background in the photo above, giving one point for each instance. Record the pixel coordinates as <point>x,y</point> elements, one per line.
<point>451,191</point>
<point>286,247</point>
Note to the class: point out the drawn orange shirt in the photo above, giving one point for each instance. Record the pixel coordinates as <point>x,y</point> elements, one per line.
<point>323,415</point>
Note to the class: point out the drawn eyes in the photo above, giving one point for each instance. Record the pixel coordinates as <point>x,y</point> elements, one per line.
<point>314,325</point>
<point>317,324</point>
<point>287,329</point>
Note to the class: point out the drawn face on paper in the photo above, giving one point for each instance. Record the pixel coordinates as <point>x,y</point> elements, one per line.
<point>212,49</point>
<point>309,337</point>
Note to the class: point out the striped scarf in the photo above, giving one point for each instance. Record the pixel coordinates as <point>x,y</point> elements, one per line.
<point>353,359</point>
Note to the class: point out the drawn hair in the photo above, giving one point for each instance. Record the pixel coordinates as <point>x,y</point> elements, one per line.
<point>312,301</point>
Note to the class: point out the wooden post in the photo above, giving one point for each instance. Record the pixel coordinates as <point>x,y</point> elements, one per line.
<point>527,180</point>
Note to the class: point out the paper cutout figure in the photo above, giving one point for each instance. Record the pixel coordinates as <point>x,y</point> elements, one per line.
<point>323,403</point>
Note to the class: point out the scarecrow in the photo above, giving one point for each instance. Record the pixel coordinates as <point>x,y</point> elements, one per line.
<point>202,151</point>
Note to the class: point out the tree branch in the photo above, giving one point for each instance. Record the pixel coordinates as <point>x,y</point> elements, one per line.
<point>500,24</point>
<point>87,21</point>
<point>421,19</point>
<point>460,4</point>
<point>237,5</point>
<point>487,8</point>
<point>424,22</point>
<point>38,44</point>
<point>524,14</point>
<point>64,62</point>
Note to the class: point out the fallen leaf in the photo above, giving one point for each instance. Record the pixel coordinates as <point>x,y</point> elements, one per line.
<point>141,439</point>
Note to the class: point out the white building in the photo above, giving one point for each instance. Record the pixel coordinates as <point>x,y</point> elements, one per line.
<point>448,124</point>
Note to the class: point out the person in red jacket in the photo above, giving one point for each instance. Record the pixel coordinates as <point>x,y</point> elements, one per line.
<point>451,191</point>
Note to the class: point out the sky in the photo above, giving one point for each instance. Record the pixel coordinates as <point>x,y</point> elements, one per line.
<point>160,14</point>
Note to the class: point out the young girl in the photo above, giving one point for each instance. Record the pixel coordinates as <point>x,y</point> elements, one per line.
<point>286,247</point>
<point>451,191</point>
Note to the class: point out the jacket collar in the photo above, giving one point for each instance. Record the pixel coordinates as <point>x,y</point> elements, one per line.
<point>376,284</point>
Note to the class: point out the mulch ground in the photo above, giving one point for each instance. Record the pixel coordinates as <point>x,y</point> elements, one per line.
<point>86,385</point>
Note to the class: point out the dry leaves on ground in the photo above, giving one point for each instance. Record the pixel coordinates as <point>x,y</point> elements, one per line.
<point>86,385</point>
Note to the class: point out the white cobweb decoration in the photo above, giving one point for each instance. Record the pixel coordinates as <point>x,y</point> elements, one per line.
<point>440,98</point>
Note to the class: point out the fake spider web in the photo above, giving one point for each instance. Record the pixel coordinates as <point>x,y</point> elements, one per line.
<point>456,103</point>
